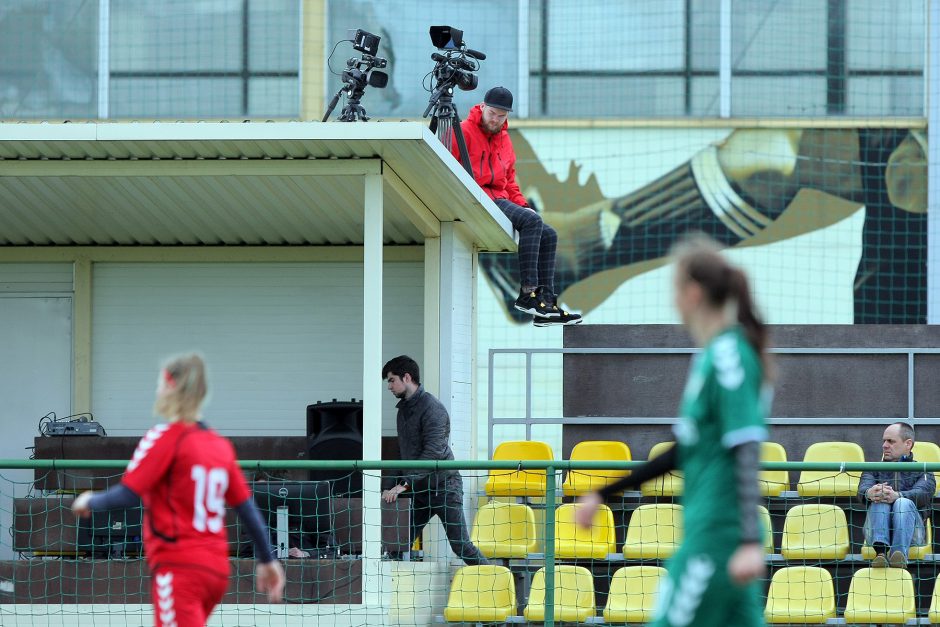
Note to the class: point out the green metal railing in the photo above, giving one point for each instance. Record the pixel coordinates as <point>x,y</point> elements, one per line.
<point>550,467</point>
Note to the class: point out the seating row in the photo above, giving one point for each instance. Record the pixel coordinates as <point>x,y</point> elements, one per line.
<point>508,531</point>
<point>797,594</point>
<point>531,483</point>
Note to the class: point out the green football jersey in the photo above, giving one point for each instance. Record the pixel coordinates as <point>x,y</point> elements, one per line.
<point>724,404</point>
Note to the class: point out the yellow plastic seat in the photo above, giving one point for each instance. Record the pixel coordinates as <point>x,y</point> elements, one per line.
<point>669,484</point>
<point>579,482</point>
<point>504,530</point>
<point>815,531</point>
<point>633,593</point>
<point>519,482</point>
<point>773,482</point>
<point>880,595</point>
<point>654,532</point>
<point>573,541</point>
<point>574,595</point>
<point>768,529</point>
<point>800,595</point>
<point>829,482</point>
<point>914,553</point>
<point>485,594</point>
<point>928,452</point>
<point>933,614</point>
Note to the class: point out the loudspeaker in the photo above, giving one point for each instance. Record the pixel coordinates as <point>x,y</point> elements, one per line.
<point>334,431</point>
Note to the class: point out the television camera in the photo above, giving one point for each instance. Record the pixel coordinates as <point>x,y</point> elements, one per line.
<point>359,73</point>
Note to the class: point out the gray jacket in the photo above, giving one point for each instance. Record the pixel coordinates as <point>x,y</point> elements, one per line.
<point>423,433</point>
<point>916,485</point>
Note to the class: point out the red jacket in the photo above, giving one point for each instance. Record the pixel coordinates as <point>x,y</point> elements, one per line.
<point>492,158</point>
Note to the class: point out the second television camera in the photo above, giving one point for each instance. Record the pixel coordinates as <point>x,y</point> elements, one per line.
<point>358,74</point>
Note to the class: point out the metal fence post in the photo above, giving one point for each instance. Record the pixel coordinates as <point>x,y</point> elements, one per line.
<point>550,546</point>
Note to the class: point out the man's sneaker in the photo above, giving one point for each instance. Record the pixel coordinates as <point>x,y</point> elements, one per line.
<point>880,561</point>
<point>897,559</point>
<point>537,303</point>
<point>563,319</point>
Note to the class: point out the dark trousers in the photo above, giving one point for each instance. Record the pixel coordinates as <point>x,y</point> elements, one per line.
<point>443,497</point>
<point>537,244</point>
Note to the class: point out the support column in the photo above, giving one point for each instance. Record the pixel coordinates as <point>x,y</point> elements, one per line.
<point>81,335</point>
<point>372,389</point>
<point>313,20</point>
<point>932,105</point>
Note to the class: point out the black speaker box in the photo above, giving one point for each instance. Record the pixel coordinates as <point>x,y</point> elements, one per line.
<point>334,431</point>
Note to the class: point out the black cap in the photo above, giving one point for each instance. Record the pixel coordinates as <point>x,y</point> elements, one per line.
<point>499,98</point>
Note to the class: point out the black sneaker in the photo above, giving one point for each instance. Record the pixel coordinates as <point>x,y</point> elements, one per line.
<point>564,318</point>
<point>536,303</point>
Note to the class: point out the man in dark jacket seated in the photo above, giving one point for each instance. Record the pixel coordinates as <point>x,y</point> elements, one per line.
<point>898,502</point>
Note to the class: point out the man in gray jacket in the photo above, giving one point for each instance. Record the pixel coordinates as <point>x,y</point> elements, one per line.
<point>424,434</point>
<point>898,502</point>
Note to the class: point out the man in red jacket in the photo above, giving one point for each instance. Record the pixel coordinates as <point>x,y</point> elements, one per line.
<point>494,168</point>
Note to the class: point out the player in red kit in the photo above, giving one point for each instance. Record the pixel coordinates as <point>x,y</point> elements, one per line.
<point>186,474</point>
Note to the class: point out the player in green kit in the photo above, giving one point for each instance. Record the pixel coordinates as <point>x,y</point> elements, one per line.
<point>712,578</point>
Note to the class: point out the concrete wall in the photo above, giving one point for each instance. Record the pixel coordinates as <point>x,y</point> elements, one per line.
<point>835,389</point>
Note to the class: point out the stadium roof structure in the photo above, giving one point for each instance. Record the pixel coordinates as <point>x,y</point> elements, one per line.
<point>220,183</point>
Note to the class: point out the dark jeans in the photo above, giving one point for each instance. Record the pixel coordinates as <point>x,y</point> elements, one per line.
<point>442,496</point>
<point>537,244</point>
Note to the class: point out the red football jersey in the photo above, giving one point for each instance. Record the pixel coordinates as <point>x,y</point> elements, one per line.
<point>186,474</point>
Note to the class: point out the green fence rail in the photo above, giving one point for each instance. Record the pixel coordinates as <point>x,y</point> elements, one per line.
<point>550,467</point>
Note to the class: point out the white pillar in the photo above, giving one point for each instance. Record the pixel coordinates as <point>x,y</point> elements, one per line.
<point>372,388</point>
<point>933,163</point>
<point>724,59</point>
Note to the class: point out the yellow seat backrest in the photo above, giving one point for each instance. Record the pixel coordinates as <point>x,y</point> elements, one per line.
<point>504,530</point>
<point>933,614</point>
<point>579,482</point>
<point>633,594</point>
<point>654,532</point>
<point>574,595</point>
<point>573,541</point>
<point>831,482</point>
<point>484,594</point>
<point>773,482</point>
<point>516,482</point>
<point>925,451</point>
<point>768,529</point>
<point>880,595</point>
<point>801,595</point>
<point>670,484</point>
<point>815,531</point>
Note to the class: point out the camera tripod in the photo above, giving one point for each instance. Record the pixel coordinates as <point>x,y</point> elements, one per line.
<point>445,123</point>
<point>353,111</point>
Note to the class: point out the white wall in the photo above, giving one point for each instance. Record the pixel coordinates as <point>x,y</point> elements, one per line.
<point>276,336</point>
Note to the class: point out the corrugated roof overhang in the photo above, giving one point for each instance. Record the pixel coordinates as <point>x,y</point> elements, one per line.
<point>220,183</point>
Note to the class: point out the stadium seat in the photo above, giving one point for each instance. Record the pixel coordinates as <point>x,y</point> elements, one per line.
<point>828,482</point>
<point>815,532</point>
<point>654,532</point>
<point>914,553</point>
<point>928,452</point>
<point>579,482</point>
<point>574,595</point>
<point>632,596</point>
<point>485,594</point>
<point>800,595</point>
<point>773,482</point>
<point>880,595</point>
<point>768,529</point>
<point>518,482</point>
<point>669,484</point>
<point>504,530</point>
<point>575,542</point>
<point>933,614</point>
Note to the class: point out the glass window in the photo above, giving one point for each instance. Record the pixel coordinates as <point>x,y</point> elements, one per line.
<point>274,35</point>
<point>273,97</point>
<point>886,96</point>
<point>176,97</point>
<point>886,35</point>
<point>782,35</point>
<point>48,59</point>
<point>491,26</point>
<point>783,96</point>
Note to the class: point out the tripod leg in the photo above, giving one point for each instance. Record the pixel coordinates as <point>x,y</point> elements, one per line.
<point>462,145</point>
